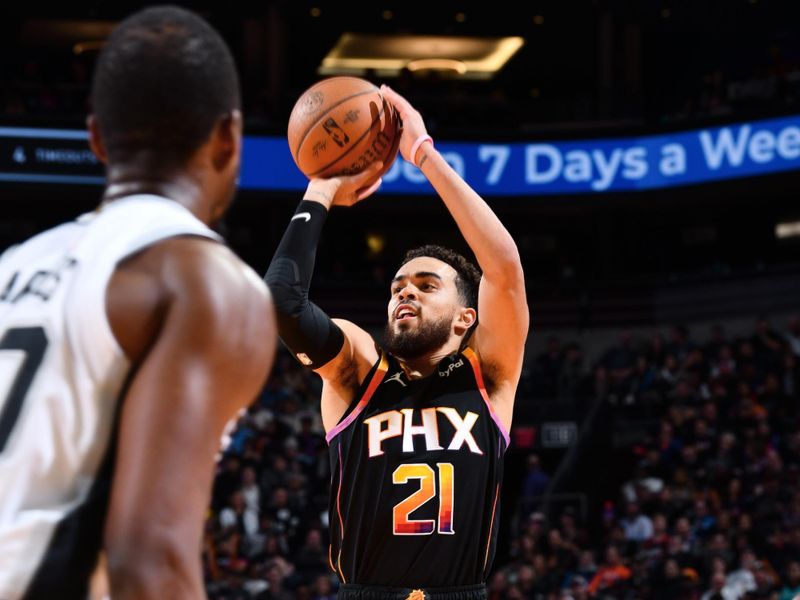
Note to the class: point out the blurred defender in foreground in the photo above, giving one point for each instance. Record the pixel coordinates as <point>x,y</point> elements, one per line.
<point>130,336</point>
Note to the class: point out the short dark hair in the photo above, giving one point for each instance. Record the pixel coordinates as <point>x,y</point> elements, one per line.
<point>468,277</point>
<point>163,80</point>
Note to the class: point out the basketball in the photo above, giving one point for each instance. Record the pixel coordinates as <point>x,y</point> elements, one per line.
<point>341,125</point>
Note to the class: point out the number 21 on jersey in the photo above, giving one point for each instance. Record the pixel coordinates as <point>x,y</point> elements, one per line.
<point>402,524</point>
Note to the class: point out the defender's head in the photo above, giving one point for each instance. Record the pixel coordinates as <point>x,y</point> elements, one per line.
<point>434,298</point>
<point>165,99</point>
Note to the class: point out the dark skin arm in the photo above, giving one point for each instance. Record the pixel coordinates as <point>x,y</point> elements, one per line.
<point>198,327</point>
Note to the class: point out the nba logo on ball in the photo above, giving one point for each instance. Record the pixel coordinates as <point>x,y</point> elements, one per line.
<point>341,126</point>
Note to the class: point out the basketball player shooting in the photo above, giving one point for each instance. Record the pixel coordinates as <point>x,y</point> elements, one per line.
<point>417,426</point>
<point>131,336</point>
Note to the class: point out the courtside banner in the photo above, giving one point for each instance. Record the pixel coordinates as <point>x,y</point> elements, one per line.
<point>517,169</point>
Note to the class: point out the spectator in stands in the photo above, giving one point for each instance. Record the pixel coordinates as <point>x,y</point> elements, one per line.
<point>668,444</point>
<point>562,554</point>
<point>284,515</point>
<point>766,579</point>
<point>656,545</point>
<point>673,584</point>
<point>527,579</point>
<point>668,375</point>
<point>743,580</point>
<point>638,526</point>
<point>255,583</point>
<point>547,578</point>
<point>704,522</point>
<point>323,588</point>
<point>238,516</point>
<point>277,572</point>
<point>791,590</point>
<point>578,589</point>
<point>584,571</point>
<point>718,590</point>
<point>250,490</point>
<point>534,485</point>
<point>570,529</point>
<point>536,528</point>
<point>498,585</point>
<point>312,557</point>
<point>277,474</point>
<point>612,575</point>
<point>723,363</point>
<point>718,548</point>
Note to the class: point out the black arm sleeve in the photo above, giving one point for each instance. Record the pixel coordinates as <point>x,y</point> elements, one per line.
<point>304,328</point>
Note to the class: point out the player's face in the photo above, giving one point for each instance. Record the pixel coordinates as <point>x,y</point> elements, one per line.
<point>423,291</point>
<point>423,308</point>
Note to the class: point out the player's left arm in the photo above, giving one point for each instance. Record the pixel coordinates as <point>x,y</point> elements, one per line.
<point>503,316</point>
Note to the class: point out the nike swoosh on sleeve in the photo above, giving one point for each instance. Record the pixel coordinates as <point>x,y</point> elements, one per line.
<point>303,215</point>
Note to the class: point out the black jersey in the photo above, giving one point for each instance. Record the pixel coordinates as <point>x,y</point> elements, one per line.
<point>416,468</point>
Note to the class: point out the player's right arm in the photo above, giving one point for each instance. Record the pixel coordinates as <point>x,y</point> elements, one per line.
<point>199,330</point>
<point>339,351</point>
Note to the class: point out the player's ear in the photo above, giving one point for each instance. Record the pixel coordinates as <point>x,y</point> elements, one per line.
<point>466,318</point>
<point>226,140</point>
<point>96,140</point>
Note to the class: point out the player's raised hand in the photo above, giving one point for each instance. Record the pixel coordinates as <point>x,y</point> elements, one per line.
<point>413,125</point>
<point>345,190</point>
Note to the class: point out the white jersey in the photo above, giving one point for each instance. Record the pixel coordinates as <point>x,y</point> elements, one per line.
<point>62,374</point>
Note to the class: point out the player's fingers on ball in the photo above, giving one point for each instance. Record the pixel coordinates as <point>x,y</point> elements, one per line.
<point>392,120</point>
<point>401,104</point>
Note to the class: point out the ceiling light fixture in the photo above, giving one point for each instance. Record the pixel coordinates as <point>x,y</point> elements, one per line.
<point>388,55</point>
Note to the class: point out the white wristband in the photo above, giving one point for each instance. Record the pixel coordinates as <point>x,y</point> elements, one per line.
<point>415,146</point>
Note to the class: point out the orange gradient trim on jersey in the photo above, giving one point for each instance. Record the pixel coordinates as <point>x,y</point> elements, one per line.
<point>476,368</point>
<point>330,557</point>
<point>377,377</point>
<point>341,521</point>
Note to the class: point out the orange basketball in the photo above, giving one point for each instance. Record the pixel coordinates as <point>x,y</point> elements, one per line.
<point>340,126</point>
